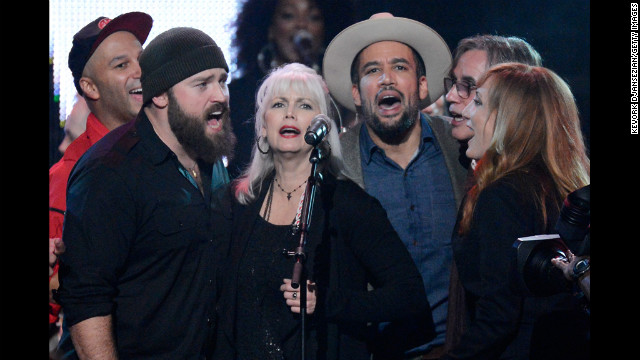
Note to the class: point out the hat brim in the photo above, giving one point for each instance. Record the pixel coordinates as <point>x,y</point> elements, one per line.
<point>137,23</point>
<point>343,49</point>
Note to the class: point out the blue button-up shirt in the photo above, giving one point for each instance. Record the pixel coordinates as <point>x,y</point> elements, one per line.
<point>421,206</point>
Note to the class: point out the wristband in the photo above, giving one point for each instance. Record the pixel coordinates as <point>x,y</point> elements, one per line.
<point>580,268</point>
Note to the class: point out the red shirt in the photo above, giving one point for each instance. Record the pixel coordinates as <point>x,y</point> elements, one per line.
<point>58,177</point>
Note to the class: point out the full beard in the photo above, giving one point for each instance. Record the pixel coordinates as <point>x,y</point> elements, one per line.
<point>191,132</point>
<point>396,132</point>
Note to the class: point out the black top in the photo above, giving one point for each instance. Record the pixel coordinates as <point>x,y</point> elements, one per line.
<point>350,244</point>
<point>266,319</point>
<point>503,319</point>
<point>140,245</point>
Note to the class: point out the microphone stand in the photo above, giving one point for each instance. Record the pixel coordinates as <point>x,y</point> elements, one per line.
<point>299,273</point>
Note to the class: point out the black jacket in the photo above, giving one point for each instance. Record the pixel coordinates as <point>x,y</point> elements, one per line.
<point>350,243</point>
<point>504,318</point>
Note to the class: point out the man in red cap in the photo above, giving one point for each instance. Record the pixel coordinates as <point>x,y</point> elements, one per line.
<point>104,63</point>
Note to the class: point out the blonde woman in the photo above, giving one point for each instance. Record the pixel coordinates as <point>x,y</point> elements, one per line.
<point>350,242</point>
<point>531,155</point>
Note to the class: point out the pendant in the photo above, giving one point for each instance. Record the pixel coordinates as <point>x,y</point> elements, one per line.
<point>288,196</point>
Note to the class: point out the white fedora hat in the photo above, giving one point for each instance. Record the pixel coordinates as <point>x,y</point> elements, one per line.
<point>342,50</point>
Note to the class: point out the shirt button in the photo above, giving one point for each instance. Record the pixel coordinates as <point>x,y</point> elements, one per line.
<point>210,282</point>
<point>412,207</point>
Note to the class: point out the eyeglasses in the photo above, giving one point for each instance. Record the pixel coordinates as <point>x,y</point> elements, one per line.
<point>463,88</point>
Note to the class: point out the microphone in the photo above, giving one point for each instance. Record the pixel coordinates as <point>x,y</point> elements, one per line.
<point>303,40</point>
<point>319,128</point>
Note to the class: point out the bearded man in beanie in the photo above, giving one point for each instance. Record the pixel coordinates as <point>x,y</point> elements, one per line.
<point>137,279</point>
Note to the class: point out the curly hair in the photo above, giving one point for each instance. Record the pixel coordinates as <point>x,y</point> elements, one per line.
<point>254,18</point>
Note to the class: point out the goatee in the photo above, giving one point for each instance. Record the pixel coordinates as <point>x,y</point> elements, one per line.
<point>391,133</point>
<point>191,132</point>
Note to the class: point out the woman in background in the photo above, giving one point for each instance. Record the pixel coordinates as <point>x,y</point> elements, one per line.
<point>531,155</point>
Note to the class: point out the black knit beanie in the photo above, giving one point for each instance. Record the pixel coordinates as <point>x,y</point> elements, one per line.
<point>175,55</point>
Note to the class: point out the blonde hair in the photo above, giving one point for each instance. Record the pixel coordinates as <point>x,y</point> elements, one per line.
<point>306,82</point>
<point>536,123</point>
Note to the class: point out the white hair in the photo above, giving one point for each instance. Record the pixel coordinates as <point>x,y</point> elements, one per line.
<point>308,83</point>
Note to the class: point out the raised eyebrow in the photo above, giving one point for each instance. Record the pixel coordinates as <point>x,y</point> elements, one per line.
<point>369,63</point>
<point>400,60</point>
<point>302,99</point>
<point>204,79</point>
<point>305,101</point>
<point>393,61</point>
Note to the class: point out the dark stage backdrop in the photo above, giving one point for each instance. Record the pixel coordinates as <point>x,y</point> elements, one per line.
<point>559,30</point>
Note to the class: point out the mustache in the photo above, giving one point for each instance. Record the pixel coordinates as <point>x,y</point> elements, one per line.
<point>389,88</point>
<point>219,106</point>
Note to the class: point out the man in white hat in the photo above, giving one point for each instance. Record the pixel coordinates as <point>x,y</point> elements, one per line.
<point>386,69</point>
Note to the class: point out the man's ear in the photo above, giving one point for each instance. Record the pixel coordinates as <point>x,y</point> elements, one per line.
<point>355,93</point>
<point>423,87</point>
<point>161,100</point>
<point>89,88</point>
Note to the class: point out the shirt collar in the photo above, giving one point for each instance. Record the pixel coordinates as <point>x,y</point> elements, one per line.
<point>95,129</point>
<point>368,147</point>
<point>158,150</point>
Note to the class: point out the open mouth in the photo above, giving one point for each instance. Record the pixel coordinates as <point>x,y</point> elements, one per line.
<point>214,120</point>
<point>289,131</point>
<point>457,119</point>
<point>388,102</point>
<point>137,93</point>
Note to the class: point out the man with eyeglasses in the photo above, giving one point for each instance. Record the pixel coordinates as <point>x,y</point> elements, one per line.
<point>472,57</point>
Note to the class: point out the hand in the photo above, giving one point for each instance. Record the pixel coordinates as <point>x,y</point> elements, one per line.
<point>566,264</point>
<point>56,248</point>
<point>292,296</point>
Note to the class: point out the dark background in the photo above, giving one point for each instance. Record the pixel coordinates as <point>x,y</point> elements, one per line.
<point>558,29</point>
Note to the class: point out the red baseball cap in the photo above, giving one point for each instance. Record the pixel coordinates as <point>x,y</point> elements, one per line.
<point>87,40</point>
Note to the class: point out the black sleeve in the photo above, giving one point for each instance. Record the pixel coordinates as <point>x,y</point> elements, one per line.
<point>498,220</point>
<point>96,239</point>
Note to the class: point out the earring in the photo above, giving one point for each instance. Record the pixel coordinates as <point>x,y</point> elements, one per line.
<point>258,146</point>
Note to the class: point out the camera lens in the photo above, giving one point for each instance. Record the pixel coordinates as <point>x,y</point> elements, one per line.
<point>541,277</point>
